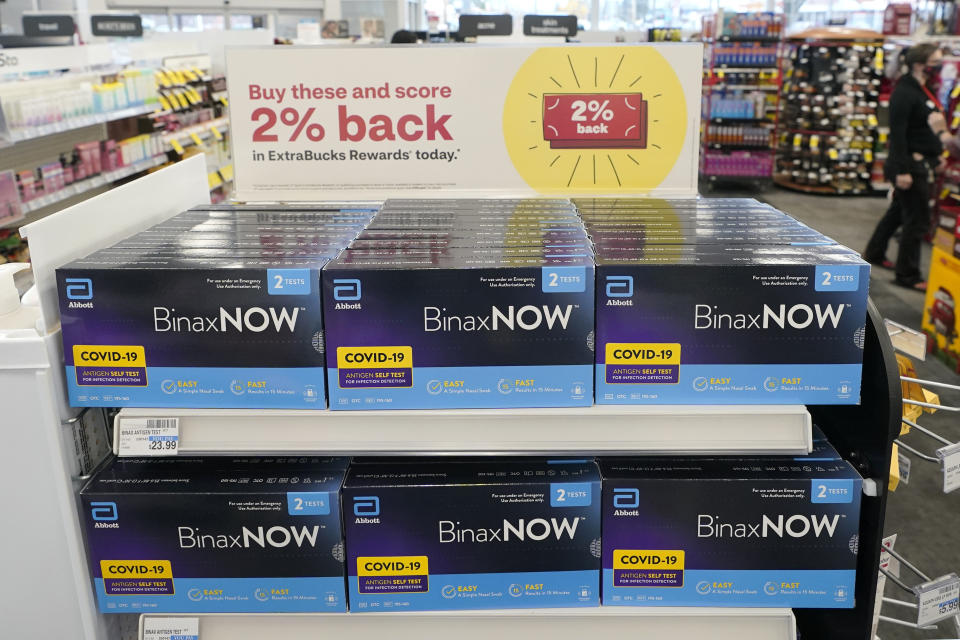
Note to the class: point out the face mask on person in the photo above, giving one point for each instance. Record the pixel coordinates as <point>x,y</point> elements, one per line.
<point>932,71</point>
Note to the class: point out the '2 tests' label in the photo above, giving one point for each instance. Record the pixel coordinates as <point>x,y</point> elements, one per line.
<point>392,574</point>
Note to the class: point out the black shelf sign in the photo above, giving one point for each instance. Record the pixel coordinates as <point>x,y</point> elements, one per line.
<point>539,25</point>
<point>36,26</point>
<point>117,26</point>
<point>472,25</point>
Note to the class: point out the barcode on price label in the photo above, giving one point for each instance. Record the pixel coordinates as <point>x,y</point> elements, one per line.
<point>157,628</point>
<point>939,599</point>
<point>149,437</point>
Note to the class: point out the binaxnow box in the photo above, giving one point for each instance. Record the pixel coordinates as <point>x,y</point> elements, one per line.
<point>147,329</point>
<point>730,327</point>
<point>472,535</point>
<point>459,331</point>
<point>213,535</point>
<point>731,532</point>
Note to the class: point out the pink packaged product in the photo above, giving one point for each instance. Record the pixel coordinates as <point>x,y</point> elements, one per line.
<point>10,209</point>
<point>28,185</point>
<point>738,163</point>
<point>52,176</point>
<point>110,155</point>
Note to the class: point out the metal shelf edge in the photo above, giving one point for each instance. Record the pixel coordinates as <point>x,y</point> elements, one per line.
<point>597,430</point>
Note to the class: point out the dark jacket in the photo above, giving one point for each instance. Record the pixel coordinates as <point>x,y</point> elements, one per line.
<point>909,132</point>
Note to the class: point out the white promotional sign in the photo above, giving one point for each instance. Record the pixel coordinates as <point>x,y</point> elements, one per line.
<point>311,123</point>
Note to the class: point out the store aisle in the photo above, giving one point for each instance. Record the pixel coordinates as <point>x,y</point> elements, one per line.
<point>926,519</point>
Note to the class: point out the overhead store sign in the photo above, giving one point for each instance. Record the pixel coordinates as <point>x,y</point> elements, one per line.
<point>472,26</point>
<point>504,120</point>
<point>116,26</point>
<point>550,26</point>
<point>47,25</point>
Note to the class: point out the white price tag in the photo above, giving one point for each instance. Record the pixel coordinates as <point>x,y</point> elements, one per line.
<point>950,459</point>
<point>939,599</point>
<point>149,436</point>
<point>904,463</point>
<point>171,628</point>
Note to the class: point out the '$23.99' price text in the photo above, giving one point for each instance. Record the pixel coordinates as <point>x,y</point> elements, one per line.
<point>162,444</point>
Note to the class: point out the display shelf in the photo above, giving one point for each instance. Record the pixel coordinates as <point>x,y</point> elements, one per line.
<point>83,186</point>
<point>204,130</point>
<point>812,188</point>
<point>29,133</point>
<point>597,430</point>
<point>646,623</point>
<point>733,67</point>
<point>725,86</point>
<point>741,121</point>
<point>739,147</point>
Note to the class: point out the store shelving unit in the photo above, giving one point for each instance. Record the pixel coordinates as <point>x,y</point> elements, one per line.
<point>738,146</point>
<point>91,184</point>
<point>597,430</point>
<point>560,624</point>
<point>829,123</point>
<point>25,134</point>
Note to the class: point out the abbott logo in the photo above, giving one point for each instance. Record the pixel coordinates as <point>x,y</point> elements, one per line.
<point>346,290</point>
<point>619,287</point>
<point>79,288</point>
<point>103,511</point>
<point>626,498</point>
<point>366,506</point>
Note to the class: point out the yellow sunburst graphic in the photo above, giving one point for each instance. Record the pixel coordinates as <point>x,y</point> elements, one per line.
<point>579,120</point>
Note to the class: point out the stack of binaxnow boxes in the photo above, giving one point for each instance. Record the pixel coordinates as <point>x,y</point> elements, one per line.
<point>722,301</point>
<point>462,304</point>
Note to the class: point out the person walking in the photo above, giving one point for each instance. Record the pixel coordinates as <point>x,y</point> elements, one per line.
<point>914,155</point>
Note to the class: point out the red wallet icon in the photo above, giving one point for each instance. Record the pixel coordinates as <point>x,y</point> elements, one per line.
<point>595,120</point>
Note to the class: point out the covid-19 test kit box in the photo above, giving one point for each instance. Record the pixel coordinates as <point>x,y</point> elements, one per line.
<point>455,331</point>
<point>498,534</point>
<point>188,315</point>
<point>185,535</point>
<point>728,532</point>
<point>718,326</point>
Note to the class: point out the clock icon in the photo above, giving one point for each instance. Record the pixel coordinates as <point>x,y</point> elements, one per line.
<point>595,119</point>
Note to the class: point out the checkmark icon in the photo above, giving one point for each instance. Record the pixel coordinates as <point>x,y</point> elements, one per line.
<point>168,386</point>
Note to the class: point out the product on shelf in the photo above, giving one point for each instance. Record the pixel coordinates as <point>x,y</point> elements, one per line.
<point>737,163</point>
<point>829,125</point>
<point>10,207</point>
<point>741,532</point>
<point>214,535</point>
<point>49,101</point>
<point>465,330</point>
<point>739,103</point>
<point>748,312</point>
<point>484,534</point>
<point>171,324</point>
<point>759,25</point>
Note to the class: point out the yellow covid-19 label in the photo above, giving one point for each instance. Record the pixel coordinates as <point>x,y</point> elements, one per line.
<point>392,566</point>
<point>374,357</point>
<point>642,353</point>
<point>671,559</point>
<point>92,355</point>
